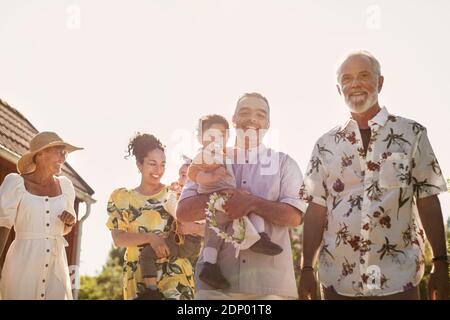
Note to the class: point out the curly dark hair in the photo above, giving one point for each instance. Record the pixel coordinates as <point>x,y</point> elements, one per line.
<point>141,144</point>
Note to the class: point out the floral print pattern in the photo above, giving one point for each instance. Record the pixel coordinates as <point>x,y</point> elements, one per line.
<point>372,220</point>
<point>130,211</point>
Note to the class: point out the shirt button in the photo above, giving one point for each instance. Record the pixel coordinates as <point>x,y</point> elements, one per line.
<point>46,199</point>
<point>42,295</point>
<point>48,250</point>
<point>46,264</point>
<point>47,211</point>
<point>48,224</point>
<point>243,261</point>
<point>244,182</point>
<point>246,161</point>
<point>43,280</point>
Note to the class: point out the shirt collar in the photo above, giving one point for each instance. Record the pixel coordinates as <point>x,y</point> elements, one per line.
<point>379,120</point>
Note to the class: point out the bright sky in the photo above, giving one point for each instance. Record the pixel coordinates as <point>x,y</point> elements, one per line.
<point>98,71</point>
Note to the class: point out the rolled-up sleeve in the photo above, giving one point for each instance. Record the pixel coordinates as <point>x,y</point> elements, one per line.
<point>189,190</point>
<point>291,181</point>
<point>11,192</point>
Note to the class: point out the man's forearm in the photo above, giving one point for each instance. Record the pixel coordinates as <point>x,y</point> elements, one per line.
<point>432,221</point>
<point>313,228</point>
<point>192,209</point>
<point>278,213</point>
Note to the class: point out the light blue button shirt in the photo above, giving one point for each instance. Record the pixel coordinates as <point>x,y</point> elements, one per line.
<point>274,176</point>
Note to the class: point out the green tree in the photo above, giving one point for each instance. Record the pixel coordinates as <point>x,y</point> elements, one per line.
<point>107,285</point>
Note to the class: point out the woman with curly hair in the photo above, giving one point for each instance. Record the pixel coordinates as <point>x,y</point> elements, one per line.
<point>144,216</point>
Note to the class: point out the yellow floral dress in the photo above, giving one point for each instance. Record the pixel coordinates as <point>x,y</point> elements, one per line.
<point>133,212</point>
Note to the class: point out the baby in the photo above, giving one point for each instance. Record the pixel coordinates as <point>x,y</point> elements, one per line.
<point>213,173</point>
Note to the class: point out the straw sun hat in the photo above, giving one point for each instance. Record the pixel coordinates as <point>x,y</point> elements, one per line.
<point>40,142</point>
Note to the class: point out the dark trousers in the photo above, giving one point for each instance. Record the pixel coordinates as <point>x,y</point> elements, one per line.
<point>212,240</point>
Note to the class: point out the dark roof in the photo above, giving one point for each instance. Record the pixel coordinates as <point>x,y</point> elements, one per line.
<point>16,133</point>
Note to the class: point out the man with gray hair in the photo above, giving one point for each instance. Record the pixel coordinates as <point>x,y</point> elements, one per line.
<point>372,186</point>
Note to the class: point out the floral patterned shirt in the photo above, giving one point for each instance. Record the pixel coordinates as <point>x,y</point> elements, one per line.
<point>132,212</point>
<point>373,241</point>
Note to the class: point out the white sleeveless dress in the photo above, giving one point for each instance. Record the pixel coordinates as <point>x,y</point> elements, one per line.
<point>36,264</point>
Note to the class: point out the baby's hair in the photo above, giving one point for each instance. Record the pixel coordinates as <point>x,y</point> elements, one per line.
<point>206,122</point>
<point>141,144</point>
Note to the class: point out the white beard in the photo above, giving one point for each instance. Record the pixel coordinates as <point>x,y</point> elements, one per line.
<point>355,105</point>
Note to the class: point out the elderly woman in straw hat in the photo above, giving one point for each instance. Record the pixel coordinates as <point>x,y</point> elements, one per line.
<point>39,204</point>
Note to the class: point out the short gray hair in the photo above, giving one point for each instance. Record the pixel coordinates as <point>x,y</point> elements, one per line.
<point>361,53</point>
<point>254,95</point>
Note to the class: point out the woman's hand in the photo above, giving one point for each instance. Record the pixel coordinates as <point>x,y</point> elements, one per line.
<point>159,245</point>
<point>176,187</point>
<point>67,218</point>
